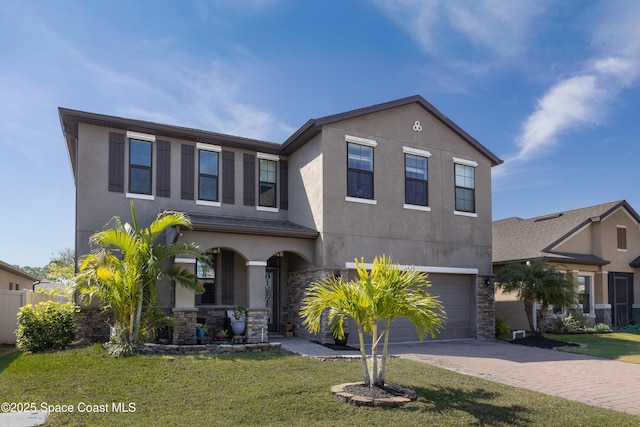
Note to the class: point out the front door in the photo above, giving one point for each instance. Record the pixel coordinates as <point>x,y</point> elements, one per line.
<point>621,298</point>
<point>270,296</point>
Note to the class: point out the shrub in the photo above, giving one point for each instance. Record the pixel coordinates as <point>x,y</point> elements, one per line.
<point>116,347</point>
<point>502,329</point>
<point>600,328</point>
<point>45,326</point>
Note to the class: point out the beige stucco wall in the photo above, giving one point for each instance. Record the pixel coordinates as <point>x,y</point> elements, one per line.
<point>435,238</point>
<point>9,277</point>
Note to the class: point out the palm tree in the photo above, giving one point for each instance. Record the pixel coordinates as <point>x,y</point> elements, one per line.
<point>124,265</point>
<point>372,302</point>
<point>537,281</point>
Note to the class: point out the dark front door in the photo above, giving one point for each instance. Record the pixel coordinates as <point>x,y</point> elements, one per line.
<point>621,298</point>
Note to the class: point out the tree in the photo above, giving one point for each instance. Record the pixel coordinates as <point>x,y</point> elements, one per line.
<point>373,301</point>
<point>124,265</point>
<point>537,281</point>
<point>61,268</point>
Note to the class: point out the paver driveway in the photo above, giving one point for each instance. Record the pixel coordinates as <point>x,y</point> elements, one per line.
<point>598,382</point>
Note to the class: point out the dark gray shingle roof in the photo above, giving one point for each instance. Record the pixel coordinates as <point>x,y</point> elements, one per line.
<point>516,239</point>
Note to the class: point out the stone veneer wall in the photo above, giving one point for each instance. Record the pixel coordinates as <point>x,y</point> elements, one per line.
<point>257,330</point>
<point>297,284</point>
<point>91,324</point>
<point>185,330</point>
<point>486,303</point>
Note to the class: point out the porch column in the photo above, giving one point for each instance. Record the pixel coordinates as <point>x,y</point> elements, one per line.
<point>601,297</point>
<point>257,324</point>
<point>184,309</point>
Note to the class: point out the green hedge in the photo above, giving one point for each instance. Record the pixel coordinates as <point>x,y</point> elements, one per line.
<point>45,326</point>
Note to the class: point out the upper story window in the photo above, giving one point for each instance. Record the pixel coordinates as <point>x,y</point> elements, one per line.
<point>360,167</point>
<point>416,188</point>
<point>622,237</point>
<point>208,172</point>
<point>465,186</point>
<point>267,181</point>
<point>139,166</point>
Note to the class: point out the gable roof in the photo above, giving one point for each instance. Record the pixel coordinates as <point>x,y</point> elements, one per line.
<point>517,239</point>
<point>17,271</point>
<point>314,126</point>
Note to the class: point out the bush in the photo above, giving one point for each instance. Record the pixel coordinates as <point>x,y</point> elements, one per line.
<point>45,326</point>
<point>502,329</point>
<point>600,328</point>
<point>116,347</point>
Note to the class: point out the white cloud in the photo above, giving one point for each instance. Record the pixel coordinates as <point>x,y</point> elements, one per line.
<point>585,99</point>
<point>496,27</point>
<point>570,103</point>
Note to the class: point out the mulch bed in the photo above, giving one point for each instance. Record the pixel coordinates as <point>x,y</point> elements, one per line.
<point>541,341</point>
<point>388,396</point>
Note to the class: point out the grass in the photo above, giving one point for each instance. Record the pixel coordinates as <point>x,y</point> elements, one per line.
<point>623,346</point>
<point>270,389</point>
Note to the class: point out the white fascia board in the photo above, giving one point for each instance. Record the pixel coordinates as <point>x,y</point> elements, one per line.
<point>424,268</point>
<point>184,260</point>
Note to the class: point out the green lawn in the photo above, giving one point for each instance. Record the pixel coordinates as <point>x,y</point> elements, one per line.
<point>269,389</point>
<point>623,346</point>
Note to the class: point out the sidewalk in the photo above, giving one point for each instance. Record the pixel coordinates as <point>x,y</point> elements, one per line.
<point>597,382</point>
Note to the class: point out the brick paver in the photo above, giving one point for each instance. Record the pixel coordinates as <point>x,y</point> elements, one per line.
<point>591,380</point>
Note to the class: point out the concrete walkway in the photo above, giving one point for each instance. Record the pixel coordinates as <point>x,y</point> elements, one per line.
<point>597,382</point>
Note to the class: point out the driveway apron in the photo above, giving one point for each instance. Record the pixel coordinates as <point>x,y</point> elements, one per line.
<point>594,381</point>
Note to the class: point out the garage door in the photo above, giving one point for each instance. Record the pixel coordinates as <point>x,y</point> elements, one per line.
<point>456,293</point>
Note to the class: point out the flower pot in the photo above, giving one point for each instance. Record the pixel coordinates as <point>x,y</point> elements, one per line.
<point>238,327</point>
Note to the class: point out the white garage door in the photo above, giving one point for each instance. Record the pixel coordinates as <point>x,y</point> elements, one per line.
<point>456,293</point>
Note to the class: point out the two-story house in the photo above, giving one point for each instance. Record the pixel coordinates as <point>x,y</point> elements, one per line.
<point>398,178</point>
<point>598,246</point>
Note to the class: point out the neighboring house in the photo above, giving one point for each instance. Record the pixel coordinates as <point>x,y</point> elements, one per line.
<point>14,279</point>
<point>599,246</point>
<point>398,178</point>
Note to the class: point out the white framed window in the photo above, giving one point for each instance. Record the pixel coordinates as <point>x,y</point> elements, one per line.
<point>268,182</point>
<point>416,182</point>
<point>140,165</point>
<point>208,174</point>
<point>584,289</point>
<point>621,237</point>
<point>465,187</point>
<point>360,169</point>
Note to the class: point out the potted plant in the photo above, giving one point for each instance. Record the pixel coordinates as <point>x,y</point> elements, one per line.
<point>201,331</point>
<point>221,335</point>
<point>238,322</point>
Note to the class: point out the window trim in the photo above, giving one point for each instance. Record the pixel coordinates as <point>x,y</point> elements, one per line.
<point>472,164</point>
<point>618,240</point>
<point>416,153</point>
<point>591,275</point>
<point>201,146</point>
<point>367,143</point>
<point>147,139</point>
<point>276,159</point>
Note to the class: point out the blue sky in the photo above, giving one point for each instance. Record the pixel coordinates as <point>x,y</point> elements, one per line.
<point>551,87</point>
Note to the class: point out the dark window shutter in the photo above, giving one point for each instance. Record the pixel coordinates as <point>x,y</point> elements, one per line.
<point>284,184</point>
<point>228,174</point>
<point>187,172</point>
<point>249,180</point>
<point>116,162</point>
<point>163,174</point>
